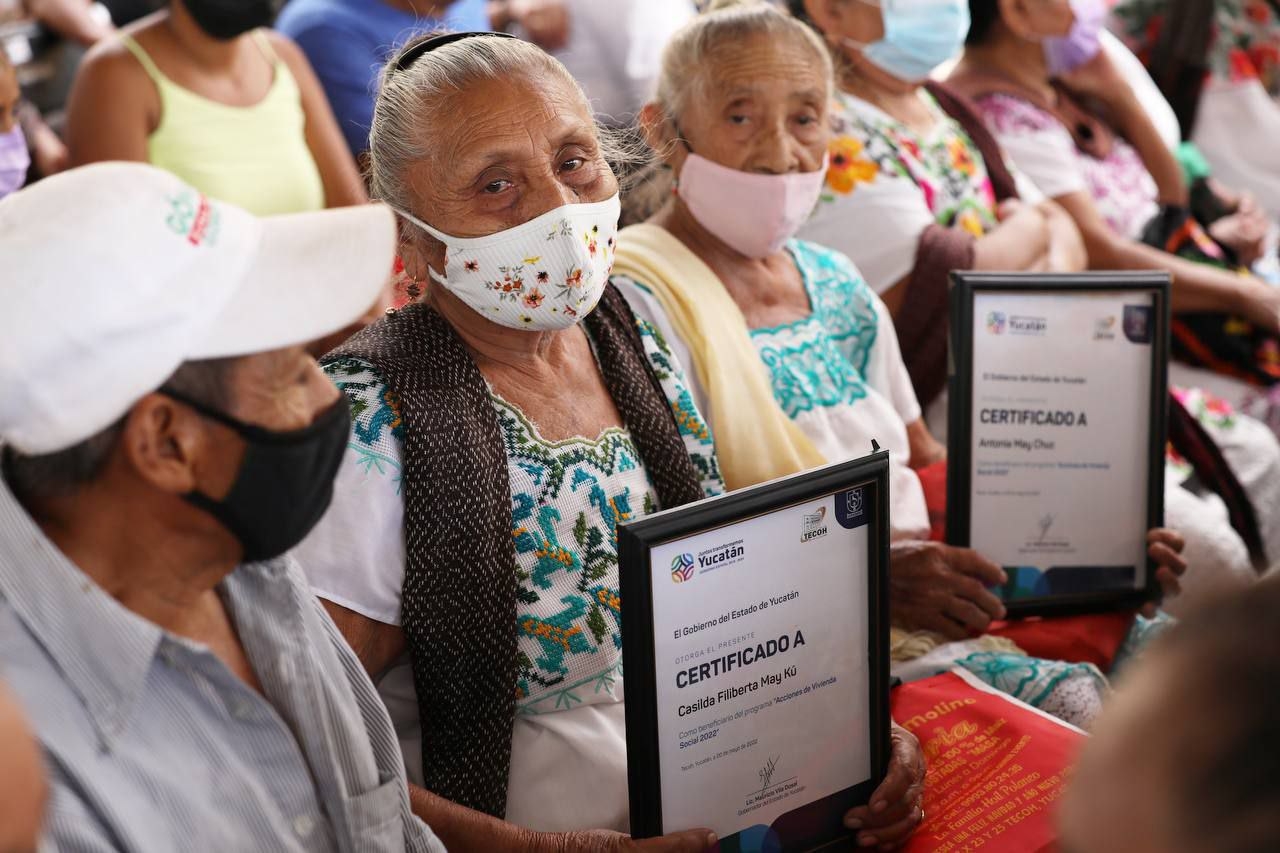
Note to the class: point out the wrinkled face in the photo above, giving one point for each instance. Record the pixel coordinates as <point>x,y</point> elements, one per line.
<point>1117,797</point>
<point>282,390</point>
<point>8,98</point>
<point>22,784</point>
<point>504,152</point>
<point>761,107</point>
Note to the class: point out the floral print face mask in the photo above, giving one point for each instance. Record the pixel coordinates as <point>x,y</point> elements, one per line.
<point>544,275</point>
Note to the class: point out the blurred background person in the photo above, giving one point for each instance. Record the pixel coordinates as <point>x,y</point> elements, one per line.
<point>201,90</point>
<point>1186,758</point>
<point>1069,120</point>
<point>614,51</point>
<point>349,41</point>
<point>15,157</point>
<point>916,187</point>
<point>23,789</point>
<point>1218,63</point>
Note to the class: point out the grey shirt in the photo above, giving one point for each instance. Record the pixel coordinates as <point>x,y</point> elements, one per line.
<point>152,744</point>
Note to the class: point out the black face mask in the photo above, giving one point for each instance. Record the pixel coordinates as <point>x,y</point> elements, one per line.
<point>285,482</point>
<point>226,19</point>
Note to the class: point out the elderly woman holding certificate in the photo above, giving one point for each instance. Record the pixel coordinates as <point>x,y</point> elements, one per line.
<point>503,426</point>
<point>793,355</point>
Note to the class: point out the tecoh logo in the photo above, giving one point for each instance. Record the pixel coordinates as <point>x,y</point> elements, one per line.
<point>996,321</point>
<point>815,524</point>
<point>682,568</point>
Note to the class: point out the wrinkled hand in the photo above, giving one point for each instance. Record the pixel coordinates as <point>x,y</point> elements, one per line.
<point>1243,232</point>
<point>1165,547</point>
<point>1031,223</point>
<point>895,809</point>
<point>942,588</point>
<point>545,22</point>
<point>603,841</point>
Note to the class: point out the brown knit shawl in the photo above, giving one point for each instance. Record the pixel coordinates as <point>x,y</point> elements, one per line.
<point>459,595</point>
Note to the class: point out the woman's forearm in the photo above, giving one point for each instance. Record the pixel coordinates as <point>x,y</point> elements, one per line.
<point>1020,242</point>
<point>1136,125</point>
<point>461,828</point>
<point>1196,287</point>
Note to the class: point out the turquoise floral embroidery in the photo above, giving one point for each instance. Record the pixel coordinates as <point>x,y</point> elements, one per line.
<point>376,423</point>
<point>567,499</point>
<point>693,427</point>
<point>821,361</point>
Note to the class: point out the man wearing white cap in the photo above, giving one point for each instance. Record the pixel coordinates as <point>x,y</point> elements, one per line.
<point>166,439</point>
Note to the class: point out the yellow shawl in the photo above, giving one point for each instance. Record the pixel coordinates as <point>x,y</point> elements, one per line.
<point>755,440</point>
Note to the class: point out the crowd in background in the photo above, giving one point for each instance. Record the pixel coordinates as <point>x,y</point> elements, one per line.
<point>565,263</point>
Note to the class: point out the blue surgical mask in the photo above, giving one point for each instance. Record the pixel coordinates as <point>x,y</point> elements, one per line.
<point>14,161</point>
<point>919,35</point>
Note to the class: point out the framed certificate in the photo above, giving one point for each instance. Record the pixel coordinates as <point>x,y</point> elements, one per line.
<point>1056,433</point>
<point>756,647</point>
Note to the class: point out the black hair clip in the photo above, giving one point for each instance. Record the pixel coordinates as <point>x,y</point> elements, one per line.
<point>410,56</point>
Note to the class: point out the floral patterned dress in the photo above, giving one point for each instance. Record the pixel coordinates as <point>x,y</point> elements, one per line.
<point>1043,149</point>
<point>886,184</point>
<point>567,497</point>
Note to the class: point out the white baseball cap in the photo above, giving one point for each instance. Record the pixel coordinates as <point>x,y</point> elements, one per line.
<point>113,275</point>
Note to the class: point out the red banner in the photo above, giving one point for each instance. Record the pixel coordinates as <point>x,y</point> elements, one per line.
<point>996,766</point>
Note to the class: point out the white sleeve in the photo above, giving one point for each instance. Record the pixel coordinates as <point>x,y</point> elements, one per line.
<point>1048,158</point>
<point>647,307</point>
<point>355,557</point>
<point>878,225</point>
<point>1028,192</point>
<point>1233,120</point>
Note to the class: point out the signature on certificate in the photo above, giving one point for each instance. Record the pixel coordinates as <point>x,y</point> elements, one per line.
<point>1046,522</point>
<point>766,773</point>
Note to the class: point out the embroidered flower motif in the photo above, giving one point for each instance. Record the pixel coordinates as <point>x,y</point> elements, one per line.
<point>511,285</point>
<point>543,277</point>
<point>533,299</point>
<point>533,260</point>
<point>1240,67</point>
<point>970,221</point>
<point>562,229</point>
<point>847,167</point>
<point>471,266</point>
<point>574,278</point>
<point>392,399</point>
<point>962,158</point>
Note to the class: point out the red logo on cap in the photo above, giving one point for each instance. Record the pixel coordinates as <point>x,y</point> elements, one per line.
<point>200,224</point>
<point>193,217</point>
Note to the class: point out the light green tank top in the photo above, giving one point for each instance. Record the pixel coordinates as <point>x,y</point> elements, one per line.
<point>254,157</point>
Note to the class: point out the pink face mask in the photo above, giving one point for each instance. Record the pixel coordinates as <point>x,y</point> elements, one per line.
<point>751,213</point>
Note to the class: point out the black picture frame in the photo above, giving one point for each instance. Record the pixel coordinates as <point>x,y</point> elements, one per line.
<point>815,825</point>
<point>965,286</point>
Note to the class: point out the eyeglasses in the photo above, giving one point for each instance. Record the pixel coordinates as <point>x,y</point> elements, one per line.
<point>413,54</point>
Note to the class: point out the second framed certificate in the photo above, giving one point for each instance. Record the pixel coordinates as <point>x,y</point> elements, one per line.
<point>1056,433</point>
<point>755,640</point>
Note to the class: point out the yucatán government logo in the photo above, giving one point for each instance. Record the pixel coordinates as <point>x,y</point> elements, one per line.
<point>682,568</point>
<point>996,321</point>
<point>815,524</point>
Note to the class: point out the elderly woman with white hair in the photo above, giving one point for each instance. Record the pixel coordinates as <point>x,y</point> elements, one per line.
<point>789,331</point>
<point>503,426</point>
